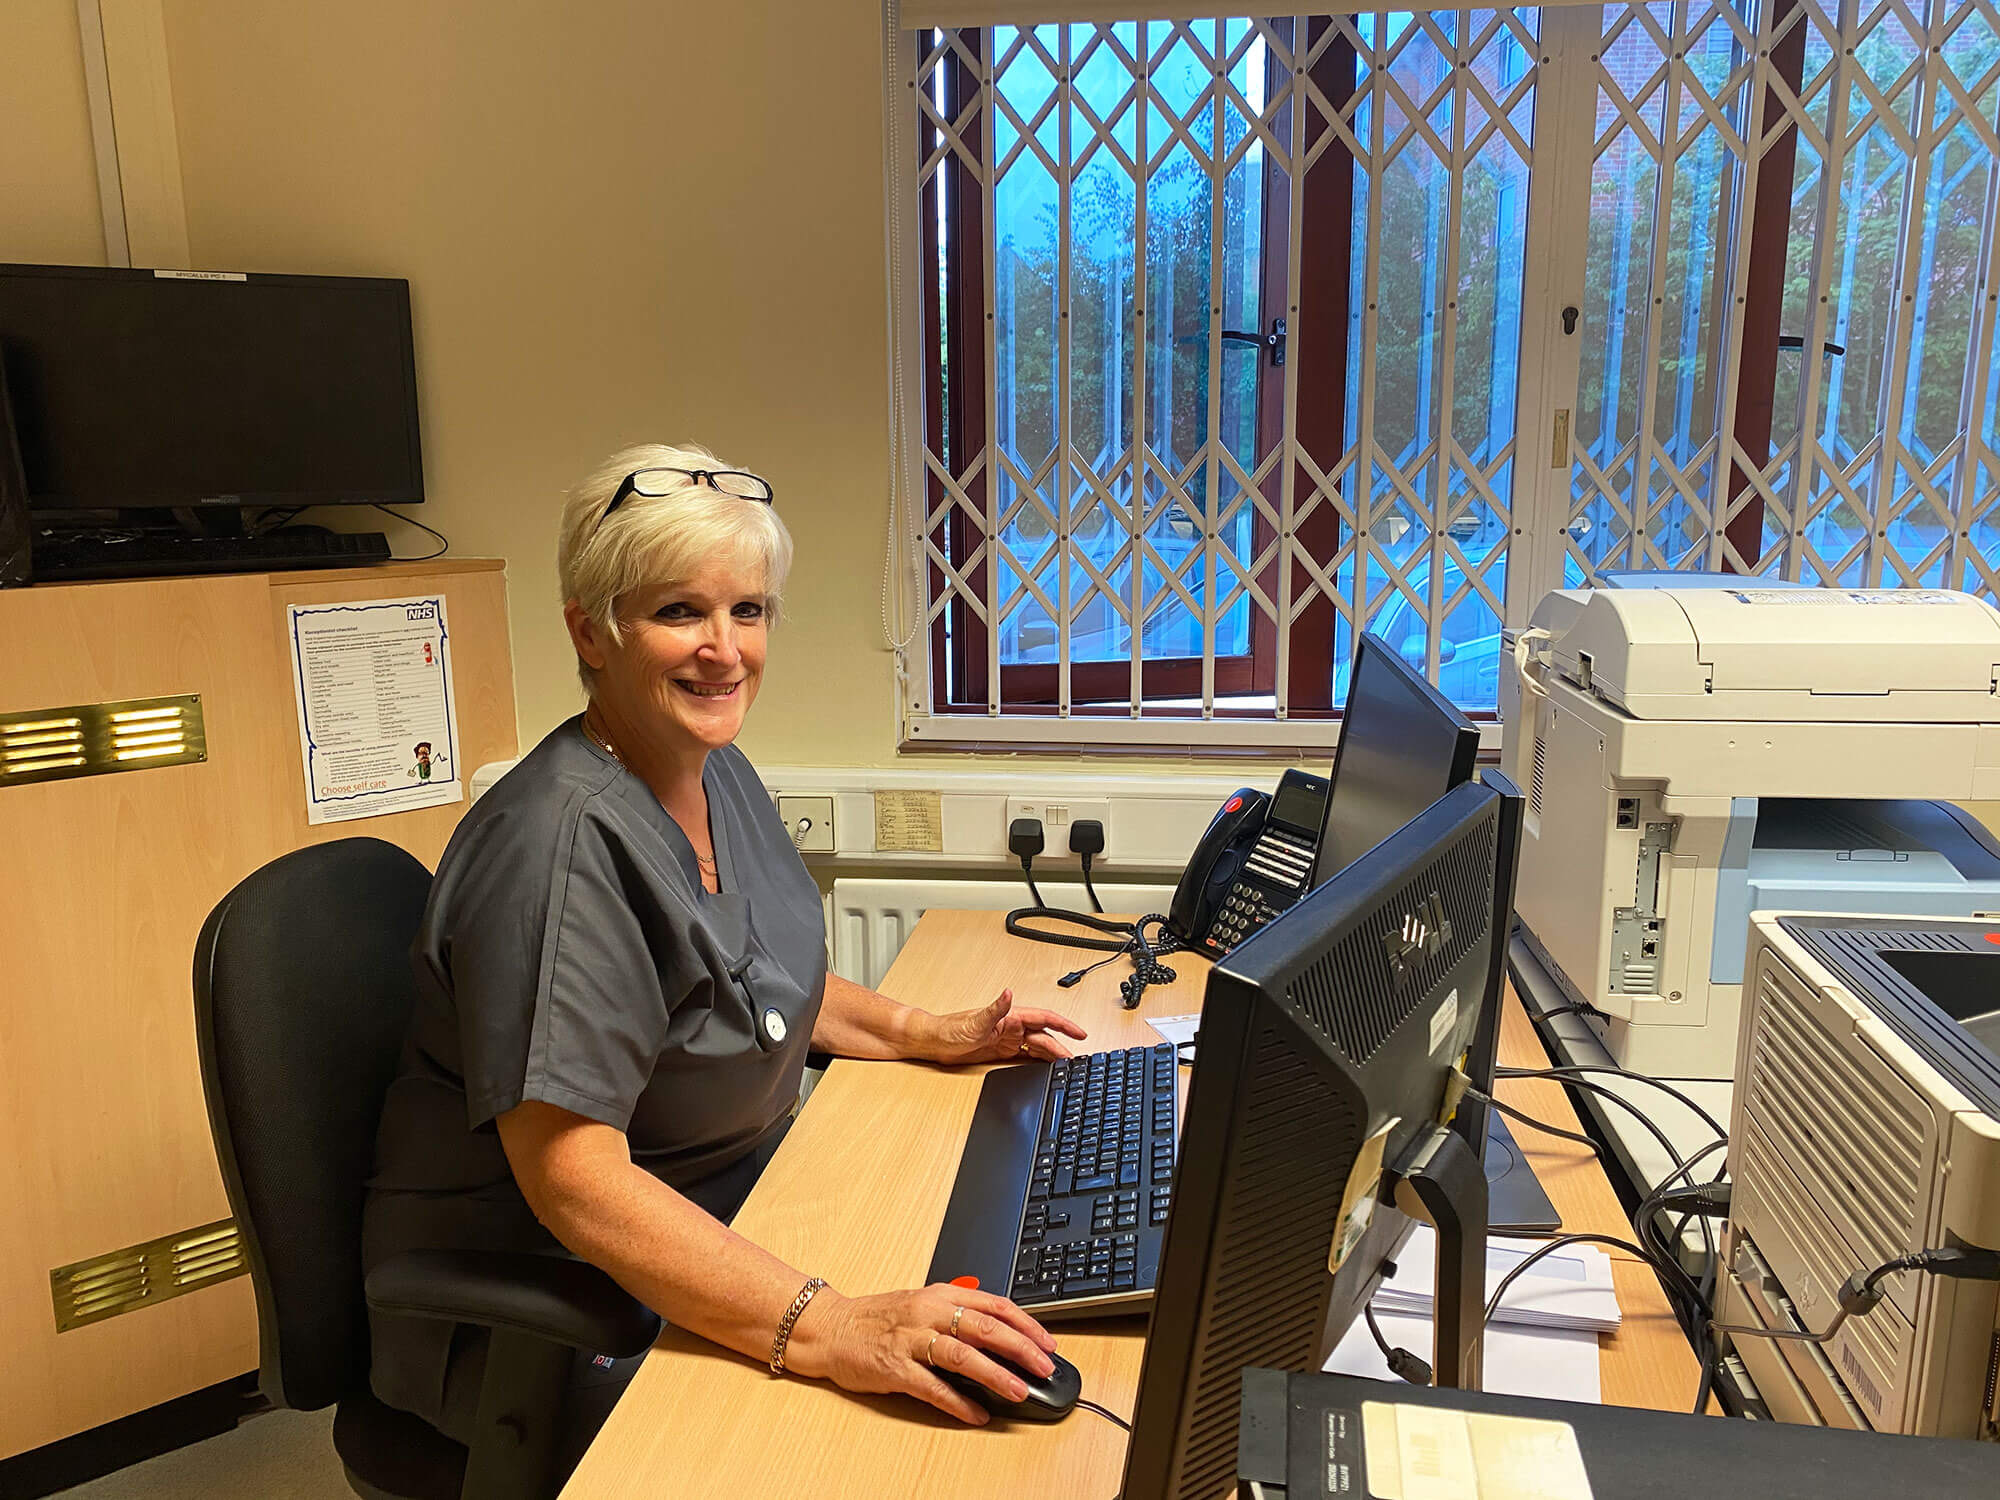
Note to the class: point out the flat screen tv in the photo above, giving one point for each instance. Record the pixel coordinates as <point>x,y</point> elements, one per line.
<point>136,388</point>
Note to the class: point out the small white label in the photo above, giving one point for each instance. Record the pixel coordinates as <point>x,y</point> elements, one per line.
<point>201,276</point>
<point>1444,1021</point>
<point>1437,1453</point>
<point>1824,598</point>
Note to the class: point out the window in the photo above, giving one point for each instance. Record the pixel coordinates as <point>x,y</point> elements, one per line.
<point>1239,336</point>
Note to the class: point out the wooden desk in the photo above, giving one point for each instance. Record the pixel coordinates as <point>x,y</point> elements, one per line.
<point>856,1195</point>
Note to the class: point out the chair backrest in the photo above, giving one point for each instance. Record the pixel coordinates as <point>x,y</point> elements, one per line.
<point>303,990</point>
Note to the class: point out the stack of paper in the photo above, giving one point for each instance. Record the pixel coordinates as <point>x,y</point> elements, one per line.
<point>1552,1363</point>
<point>1567,1288</point>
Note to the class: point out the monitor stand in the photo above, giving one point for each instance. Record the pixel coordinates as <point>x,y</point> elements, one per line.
<point>1441,1182</point>
<point>1516,1202</point>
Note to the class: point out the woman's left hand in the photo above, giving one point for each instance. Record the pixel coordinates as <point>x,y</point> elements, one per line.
<point>1000,1033</point>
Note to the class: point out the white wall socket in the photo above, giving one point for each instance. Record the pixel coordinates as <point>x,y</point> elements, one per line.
<point>809,820</point>
<point>1056,814</point>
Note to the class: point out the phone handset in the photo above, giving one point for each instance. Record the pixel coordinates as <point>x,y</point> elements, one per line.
<point>1204,886</point>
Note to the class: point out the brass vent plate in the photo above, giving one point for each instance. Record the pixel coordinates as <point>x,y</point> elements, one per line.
<point>94,739</point>
<point>140,1275</point>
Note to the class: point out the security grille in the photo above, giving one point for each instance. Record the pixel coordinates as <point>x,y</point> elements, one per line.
<point>1171,463</point>
<point>1240,336</point>
<point>1859,297</point>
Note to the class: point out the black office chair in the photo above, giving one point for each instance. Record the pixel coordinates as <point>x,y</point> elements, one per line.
<point>303,991</point>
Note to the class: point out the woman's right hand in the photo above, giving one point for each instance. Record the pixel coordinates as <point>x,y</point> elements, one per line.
<point>875,1345</point>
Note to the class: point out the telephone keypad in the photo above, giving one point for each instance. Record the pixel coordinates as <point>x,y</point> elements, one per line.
<point>1243,911</point>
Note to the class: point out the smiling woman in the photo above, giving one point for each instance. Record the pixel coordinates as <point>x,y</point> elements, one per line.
<point>620,971</point>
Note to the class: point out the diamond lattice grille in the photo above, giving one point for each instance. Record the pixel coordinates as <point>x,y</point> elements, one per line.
<point>1879,469</point>
<point>1132,478</point>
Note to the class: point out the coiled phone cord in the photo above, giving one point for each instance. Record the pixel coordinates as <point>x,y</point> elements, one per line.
<point>1119,938</point>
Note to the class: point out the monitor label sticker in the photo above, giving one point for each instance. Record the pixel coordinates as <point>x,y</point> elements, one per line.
<point>1444,1022</point>
<point>1357,1203</point>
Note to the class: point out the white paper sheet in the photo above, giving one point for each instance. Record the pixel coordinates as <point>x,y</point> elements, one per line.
<point>1567,1288</point>
<point>378,725</point>
<point>1558,1363</point>
<point>1176,1029</point>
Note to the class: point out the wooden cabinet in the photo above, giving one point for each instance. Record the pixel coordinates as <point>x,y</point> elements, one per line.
<point>104,883</point>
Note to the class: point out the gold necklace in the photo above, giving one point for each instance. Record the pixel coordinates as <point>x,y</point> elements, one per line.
<point>603,742</point>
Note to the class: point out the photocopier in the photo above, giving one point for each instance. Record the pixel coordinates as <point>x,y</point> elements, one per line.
<point>1695,748</point>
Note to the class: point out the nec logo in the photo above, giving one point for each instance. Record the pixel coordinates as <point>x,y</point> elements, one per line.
<point>1422,931</point>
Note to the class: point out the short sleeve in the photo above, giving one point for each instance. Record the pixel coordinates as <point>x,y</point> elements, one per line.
<point>562,968</point>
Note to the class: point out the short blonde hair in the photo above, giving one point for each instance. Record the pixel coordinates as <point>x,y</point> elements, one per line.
<point>661,540</point>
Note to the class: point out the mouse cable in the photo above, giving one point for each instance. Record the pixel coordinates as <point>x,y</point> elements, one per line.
<point>1105,1412</point>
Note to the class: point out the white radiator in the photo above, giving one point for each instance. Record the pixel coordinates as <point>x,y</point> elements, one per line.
<point>868,920</point>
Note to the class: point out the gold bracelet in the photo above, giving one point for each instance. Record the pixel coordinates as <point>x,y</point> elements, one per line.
<point>784,1336</point>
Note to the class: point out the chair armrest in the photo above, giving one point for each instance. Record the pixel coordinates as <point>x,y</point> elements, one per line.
<point>552,1297</point>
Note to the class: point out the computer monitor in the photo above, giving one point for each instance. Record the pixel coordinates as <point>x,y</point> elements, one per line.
<point>1402,746</point>
<point>217,390</point>
<point>1327,1042</point>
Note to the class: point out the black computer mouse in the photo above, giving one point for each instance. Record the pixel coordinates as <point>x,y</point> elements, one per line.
<point>1050,1397</point>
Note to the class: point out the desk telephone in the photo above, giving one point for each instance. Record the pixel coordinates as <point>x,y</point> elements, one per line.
<point>1254,862</point>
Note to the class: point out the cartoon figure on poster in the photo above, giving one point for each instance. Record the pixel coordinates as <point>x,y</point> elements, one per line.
<point>425,765</point>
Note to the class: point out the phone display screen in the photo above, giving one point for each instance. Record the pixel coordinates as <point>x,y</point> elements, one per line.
<point>1298,807</point>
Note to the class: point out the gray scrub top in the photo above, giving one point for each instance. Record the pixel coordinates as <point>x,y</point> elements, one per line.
<point>569,954</point>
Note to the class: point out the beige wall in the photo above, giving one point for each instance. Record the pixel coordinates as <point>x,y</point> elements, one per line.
<point>621,220</point>
<point>48,177</point>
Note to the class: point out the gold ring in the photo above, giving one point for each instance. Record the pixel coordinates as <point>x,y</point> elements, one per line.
<point>956,1314</point>
<point>930,1351</point>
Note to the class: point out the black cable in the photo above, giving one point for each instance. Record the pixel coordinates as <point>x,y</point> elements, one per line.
<point>1567,1071</point>
<point>1706,1385</point>
<point>1105,1412</point>
<point>1089,889</point>
<point>1500,1291</point>
<point>1690,1164</point>
<point>1666,1145</point>
<point>1117,935</point>
<point>1697,1311</point>
<point>446,547</point>
<point>1573,1008</point>
<point>1402,1363</point>
<point>266,522</point>
<point>1146,966</point>
<point>1121,938</point>
<point>1542,1125</point>
<point>1027,874</point>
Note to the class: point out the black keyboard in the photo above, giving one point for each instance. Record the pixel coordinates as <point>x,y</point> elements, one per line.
<point>1062,1191</point>
<point>153,554</point>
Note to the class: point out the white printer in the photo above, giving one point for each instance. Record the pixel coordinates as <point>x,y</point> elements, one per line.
<point>1866,1127</point>
<point>1691,754</point>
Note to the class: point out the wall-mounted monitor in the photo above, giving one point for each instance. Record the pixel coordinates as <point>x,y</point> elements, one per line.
<point>135,388</point>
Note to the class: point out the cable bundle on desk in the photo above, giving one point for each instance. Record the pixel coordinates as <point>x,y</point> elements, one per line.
<point>1118,939</point>
<point>1691,1297</point>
